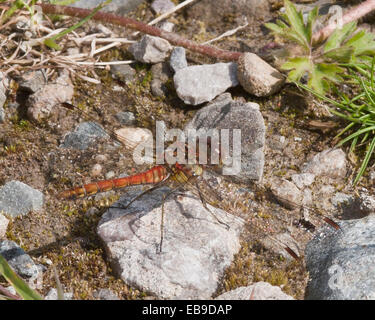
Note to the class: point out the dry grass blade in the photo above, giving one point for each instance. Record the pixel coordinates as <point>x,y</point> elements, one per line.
<point>22,56</point>
<point>227,33</point>
<point>167,14</point>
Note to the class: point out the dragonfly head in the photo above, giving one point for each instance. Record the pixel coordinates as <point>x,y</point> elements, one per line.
<point>188,169</point>
<point>197,170</point>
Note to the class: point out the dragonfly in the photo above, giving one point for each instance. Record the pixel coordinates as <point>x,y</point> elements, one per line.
<point>179,175</point>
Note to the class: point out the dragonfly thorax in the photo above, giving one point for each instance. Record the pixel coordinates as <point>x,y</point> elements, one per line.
<point>182,172</point>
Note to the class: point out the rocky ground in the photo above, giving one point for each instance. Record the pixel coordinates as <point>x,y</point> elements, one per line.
<point>290,173</point>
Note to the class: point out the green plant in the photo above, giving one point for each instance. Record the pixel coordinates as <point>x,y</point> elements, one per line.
<point>51,42</point>
<point>17,5</point>
<point>18,284</point>
<point>345,58</point>
<point>359,110</point>
<point>323,63</point>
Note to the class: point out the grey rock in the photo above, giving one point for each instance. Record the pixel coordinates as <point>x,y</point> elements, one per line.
<point>126,118</point>
<point>105,294</point>
<point>331,163</point>
<point>52,295</point>
<point>354,207</point>
<point>340,199</point>
<point>257,291</point>
<point>123,72</point>
<point>83,136</point>
<point>162,6</point>
<point>341,262</point>
<point>3,226</point>
<point>32,81</point>
<point>158,88</point>
<point>17,198</point>
<point>177,60</point>
<point>161,73</point>
<point>18,259</point>
<point>120,7</point>
<point>303,179</point>
<point>42,101</point>
<point>367,202</point>
<point>347,205</point>
<point>196,248</point>
<point>225,113</point>
<point>150,49</point>
<point>286,193</point>
<point>198,84</point>
<point>257,77</point>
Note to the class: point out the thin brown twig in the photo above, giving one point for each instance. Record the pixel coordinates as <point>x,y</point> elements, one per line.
<point>352,15</point>
<point>140,26</point>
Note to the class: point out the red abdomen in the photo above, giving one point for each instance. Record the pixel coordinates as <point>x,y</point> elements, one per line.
<point>154,175</point>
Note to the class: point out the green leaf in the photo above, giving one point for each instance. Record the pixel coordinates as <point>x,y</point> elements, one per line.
<point>52,44</point>
<point>274,27</point>
<point>323,72</point>
<point>369,153</point>
<point>296,21</point>
<point>339,36</point>
<point>340,54</point>
<point>363,43</point>
<point>295,29</point>
<point>318,73</point>
<point>355,134</point>
<point>299,66</point>
<point>313,14</point>
<point>19,285</point>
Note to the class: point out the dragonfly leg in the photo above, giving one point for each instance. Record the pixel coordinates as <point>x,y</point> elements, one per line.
<point>211,189</point>
<point>205,206</point>
<point>158,185</point>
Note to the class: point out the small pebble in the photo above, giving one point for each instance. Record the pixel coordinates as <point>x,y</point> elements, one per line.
<point>110,175</point>
<point>150,49</point>
<point>178,59</point>
<point>258,77</point>
<point>125,118</point>
<point>167,26</point>
<point>96,170</point>
<point>101,158</point>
